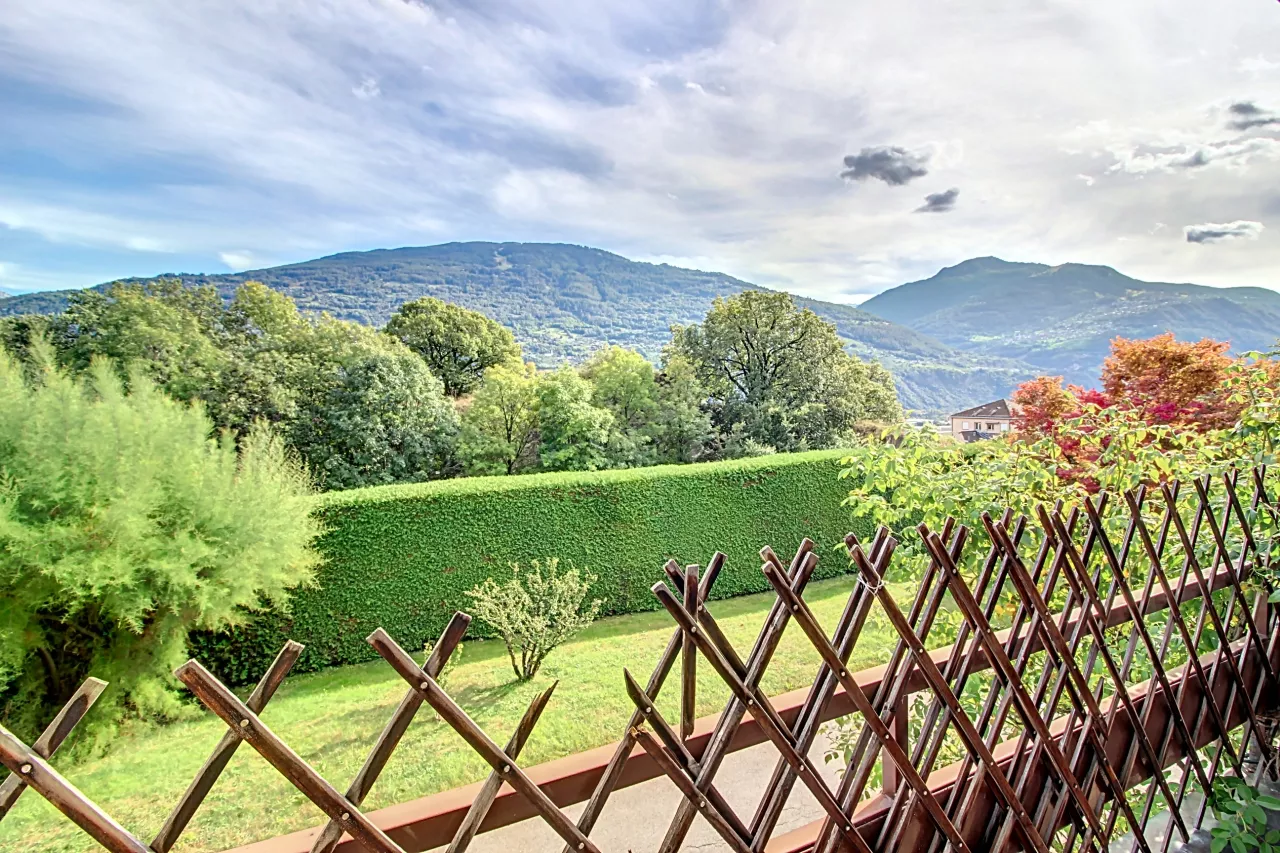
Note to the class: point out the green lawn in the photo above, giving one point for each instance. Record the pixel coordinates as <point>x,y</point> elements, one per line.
<point>331,718</point>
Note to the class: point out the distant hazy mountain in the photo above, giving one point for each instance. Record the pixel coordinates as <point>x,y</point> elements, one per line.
<point>564,301</point>
<point>1061,319</point>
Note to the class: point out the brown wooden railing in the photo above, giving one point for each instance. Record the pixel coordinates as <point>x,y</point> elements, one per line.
<point>1108,660</point>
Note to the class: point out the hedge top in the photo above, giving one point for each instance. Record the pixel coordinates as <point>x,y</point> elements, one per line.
<point>568,479</point>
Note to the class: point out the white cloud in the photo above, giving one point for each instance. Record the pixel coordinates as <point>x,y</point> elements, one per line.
<point>705,131</point>
<point>240,261</point>
<point>1232,154</point>
<point>1257,65</point>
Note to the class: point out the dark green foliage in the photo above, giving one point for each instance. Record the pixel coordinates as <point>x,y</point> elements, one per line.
<point>404,557</point>
<point>382,419</point>
<point>358,406</point>
<point>1062,319</point>
<point>564,302</point>
<point>458,345</point>
<point>778,375</point>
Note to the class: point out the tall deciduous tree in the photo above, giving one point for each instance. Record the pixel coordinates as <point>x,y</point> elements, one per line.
<point>457,344</point>
<point>123,525</point>
<point>167,329</point>
<point>623,382</point>
<point>681,427</point>
<point>781,372</point>
<point>500,423</point>
<point>573,431</point>
<point>358,406</point>
<point>372,413</point>
<point>1171,381</point>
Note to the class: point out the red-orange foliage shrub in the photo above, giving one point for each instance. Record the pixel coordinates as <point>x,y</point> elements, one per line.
<point>1162,380</point>
<point>1171,381</point>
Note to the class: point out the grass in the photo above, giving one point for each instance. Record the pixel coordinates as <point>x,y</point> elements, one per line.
<point>332,717</point>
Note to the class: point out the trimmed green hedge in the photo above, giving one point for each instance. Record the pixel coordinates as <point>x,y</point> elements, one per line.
<point>403,557</point>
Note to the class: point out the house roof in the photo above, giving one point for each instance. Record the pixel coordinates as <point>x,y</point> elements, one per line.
<point>994,409</point>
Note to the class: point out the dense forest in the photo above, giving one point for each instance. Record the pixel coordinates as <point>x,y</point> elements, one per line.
<point>443,391</point>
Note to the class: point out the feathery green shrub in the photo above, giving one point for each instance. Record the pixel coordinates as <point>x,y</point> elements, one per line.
<point>122,527</point>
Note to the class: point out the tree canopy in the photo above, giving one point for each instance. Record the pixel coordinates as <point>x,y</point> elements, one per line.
<point>441,390</point>
<point>457,344</point>
<point>781,372</point>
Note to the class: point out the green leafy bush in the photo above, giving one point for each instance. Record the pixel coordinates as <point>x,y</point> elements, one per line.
<point>403,557</point>
<point>535,611</point>
<point>123,527</point>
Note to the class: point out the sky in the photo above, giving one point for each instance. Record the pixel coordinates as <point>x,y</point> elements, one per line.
<point>833,148</point>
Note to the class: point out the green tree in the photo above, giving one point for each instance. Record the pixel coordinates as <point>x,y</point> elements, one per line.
<point>781,372</point>
<point>457,344</point>
<point>500,424</point>
<point>681,428</point>
<point>535,611</point>
<point>623,383</point>
<point>573,432</point>
<point>358,406</point>
<point>371,412</point>
<point>169,330</point>
<point>123,526</point>
<point>20,331</point>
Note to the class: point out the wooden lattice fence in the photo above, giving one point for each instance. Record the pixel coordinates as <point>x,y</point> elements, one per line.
<point>1100,665</point>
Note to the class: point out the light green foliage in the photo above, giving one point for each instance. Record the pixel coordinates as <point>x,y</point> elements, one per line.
<point>458,345</point>
<point>535,611</point>
<point>500,423</point>
<point>122,527</point>
<point>623,383</point>
<point>782,372</point>
<point>403,557</point>
<point>1241,810</point>
<point>574,432</point>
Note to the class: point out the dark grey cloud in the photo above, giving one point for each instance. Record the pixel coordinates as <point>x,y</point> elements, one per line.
<point>1247,115</point>
<point>889,163</point>
<point>1213,232</point>
<point>939,202</point>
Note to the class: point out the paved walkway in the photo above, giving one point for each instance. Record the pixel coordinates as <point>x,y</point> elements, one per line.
<point>636,818</point>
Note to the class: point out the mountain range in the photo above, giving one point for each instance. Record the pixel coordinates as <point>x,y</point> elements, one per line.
<point>1061,319</point>
<point>965,336</point>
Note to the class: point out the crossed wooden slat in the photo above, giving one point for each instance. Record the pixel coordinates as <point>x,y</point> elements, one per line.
<point>394,730</point>
<point>675,647</point>
<point>503,763</point>
<point>800,571</point>
<point>53,736</point>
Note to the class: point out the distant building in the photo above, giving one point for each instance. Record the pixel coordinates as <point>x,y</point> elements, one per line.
<point>986,421</point>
